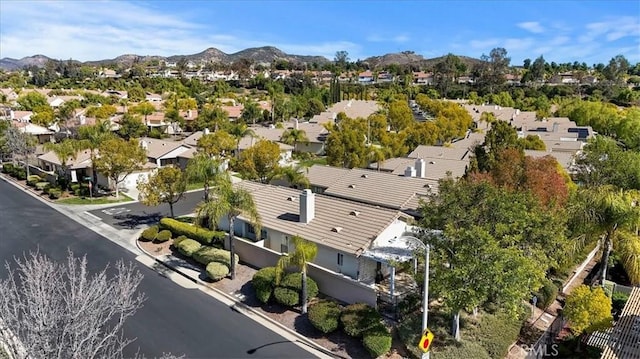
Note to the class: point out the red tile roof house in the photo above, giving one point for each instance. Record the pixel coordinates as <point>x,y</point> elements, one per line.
<point>365,77</point>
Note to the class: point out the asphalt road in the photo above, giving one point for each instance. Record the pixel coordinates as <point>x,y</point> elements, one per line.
<point>174,319</point>
<point>135,215</point>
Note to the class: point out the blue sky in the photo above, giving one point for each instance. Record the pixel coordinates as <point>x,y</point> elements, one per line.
<point>561,31</point>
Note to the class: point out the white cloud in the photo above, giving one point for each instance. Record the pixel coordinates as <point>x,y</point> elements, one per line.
<point>531,26</point>
<point>611,29</point>
<point>399,39</point>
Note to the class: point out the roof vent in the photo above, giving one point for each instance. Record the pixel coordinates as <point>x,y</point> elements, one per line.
<point>355,213</point>
<point>364,176</point>
<point>428,185</point>
<point>336,229</point>
<point>291,198</point>
<point>432,162</point>
<point>352,186</point>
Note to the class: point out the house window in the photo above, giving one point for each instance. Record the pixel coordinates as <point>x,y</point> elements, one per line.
<point>250,229</point>
<point>284,246</point>
<point>340,259</point>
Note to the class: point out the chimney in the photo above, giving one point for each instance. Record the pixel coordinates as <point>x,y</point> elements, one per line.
<point>555,127</point>
<point>307,206</point>
<point>420,168</point>
<point>83,120</point>
<point>188,113</point>
<point>296,124</point>
<point>410,172</point>
<point>12,115</point>
<point>205,131</point>
<point>144,144</point>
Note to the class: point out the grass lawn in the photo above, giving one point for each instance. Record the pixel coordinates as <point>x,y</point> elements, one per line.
<point>99,200</point>
<point>196,185</point>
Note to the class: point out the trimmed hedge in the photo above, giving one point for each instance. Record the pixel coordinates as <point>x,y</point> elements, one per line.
<point>463,349</point>
<point>358,318</point>
<point>33,179</point>
<point>377,340</point>
<point>547,294</point>
<point>206,255</point>
<point>263,282</point>
<point>42,185</point>
<point>163,236</point>
<point>288,292</point>
<point>150,233</point>
<point>325,315</point>
<point>188,247</point>
<point>177,241</point>
<point>217,270</point>
<point>7,168</point>
<point>496,332</point>
<point>202,235</point>
<point>55,193</point>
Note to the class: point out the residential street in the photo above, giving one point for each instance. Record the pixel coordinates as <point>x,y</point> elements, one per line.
<point>174,319</point>
<point>136,215</point>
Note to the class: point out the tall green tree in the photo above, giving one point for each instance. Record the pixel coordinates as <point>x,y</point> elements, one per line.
<point>92,137</point>
<point>294,176</point>
<point>206,169</point>
<point>219,144</point>
<point>240,131</point>
<point>131,127</point>
<point>65,151</point>
<point>230,202</point>
<point>144,109</point>
<point>118,159</point>
<point>260,162</point>
<point>167,185</point>
<point>604,162</point>
<point>303,253</point>
<point>293,137</point>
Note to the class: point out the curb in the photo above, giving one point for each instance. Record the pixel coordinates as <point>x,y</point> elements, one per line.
<point>241,307</point>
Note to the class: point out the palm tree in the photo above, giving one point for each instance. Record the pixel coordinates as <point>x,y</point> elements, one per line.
<point>230,202</point>
<point>294,136</point>
<point>377,154</point>
<point>205,169</point>
<point>65,150</point>
<point>601,212</point>
<point>294,177</point>
<point>92,137</point>
<point>304,252</point>
<point>240,131</point>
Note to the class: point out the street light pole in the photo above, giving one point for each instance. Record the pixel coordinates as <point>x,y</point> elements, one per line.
<point>425,297</point>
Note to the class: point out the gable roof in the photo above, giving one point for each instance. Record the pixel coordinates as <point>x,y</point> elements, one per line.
<point>82,160</point>
<point>279,209</point>
<point>158,148</point>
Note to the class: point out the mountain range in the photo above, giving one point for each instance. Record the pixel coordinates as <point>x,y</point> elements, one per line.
<point>266,54</point>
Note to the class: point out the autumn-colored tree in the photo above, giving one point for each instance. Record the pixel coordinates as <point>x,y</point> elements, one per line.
<point>260,162</point>
<point>588,310</point>
<point>167,185</point>
<point>119,158</point>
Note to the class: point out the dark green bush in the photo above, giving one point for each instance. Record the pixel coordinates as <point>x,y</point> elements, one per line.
<point>618,300</point>
<point>202,235</point>
<point>188,247</point>
<point>546,294</point>
<point>358,318</point>
<point>324,315</point>
<point>377,340</point>
<point>177,241</point>
<point>150,233</point>
<point>42,185</point>
<point>217,270</point>
<point>33,179</point>
<point>206,255</point>
<point>55,193</point>
<point>7,168</point>
<point>286,296</point>
<point>163,236</point>
<point>263,282</point>
<point>463,349</point>
<point>20,173</point>
<point>496,332</point>
<point>74,187</point>
<point>292,282</point>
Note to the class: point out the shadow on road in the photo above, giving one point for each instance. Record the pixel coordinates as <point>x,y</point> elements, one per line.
<point>132,221</point>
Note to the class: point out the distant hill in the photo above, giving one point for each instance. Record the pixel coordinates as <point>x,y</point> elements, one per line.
<point>265,55</point>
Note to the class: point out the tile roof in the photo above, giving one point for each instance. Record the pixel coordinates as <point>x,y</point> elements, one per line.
<point>83,159</point>
<point>373,187</point>
<point>565,159</point>
<point>158,148</point>
<point>456,151</point>
<point>435,169</point>
<point>361,224</point>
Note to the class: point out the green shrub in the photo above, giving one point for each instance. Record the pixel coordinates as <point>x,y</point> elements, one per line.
<point>358,318</point>
<point>217,270</point>
<point>292,284</point>
<point>325,315</point>
<point>286,296</point>
<point>150,233</point>
<point>199,234</point>
<point>462,349</point>
<point>42,185</point>
<point>74,187</point>
<point>20,173</point>
<point>546,294</point>
<point>7,168</point>
<point>377,340</point>
<point>206,255</point>
<point>188,246</point>
<point>263,282</point>
<point>33,179</point>
<point>496,332</point>
<point>55,193</point>
<point>618,300</point>
<point>163,236</point>
<point>177,241</point>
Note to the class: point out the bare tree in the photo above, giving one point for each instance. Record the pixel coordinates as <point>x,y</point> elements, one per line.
<point>20,144</point>
<point>60,310</point>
